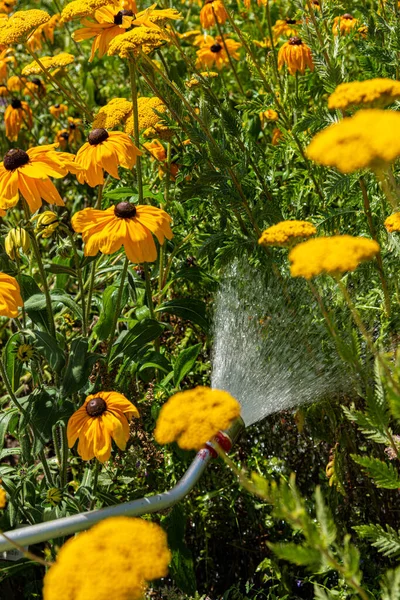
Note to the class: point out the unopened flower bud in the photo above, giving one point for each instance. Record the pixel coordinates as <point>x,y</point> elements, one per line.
<point>16,239</point>
<point>46,223</point>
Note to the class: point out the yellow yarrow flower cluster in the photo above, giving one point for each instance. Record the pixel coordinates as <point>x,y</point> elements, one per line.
<point>144,38</point>
<point>194,81</point>
<point>369,139</point>
<point>82,8</point>
<point>371,93</point>
<point>113,560</point>
<point>148,118</point>
<point>49,62</point>
<point>286,233</point>
<point>332,255</point>
<point>193,417</point>
<point>20,24</point>
<point>113,113</point>
<point>392,223</point>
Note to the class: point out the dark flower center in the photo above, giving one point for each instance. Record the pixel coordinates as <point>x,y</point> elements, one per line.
<point>15,103</point>
<point>347,16</point>
<point>36,81</point>
<point>120,15</point>
<point>64,135</point>
<point>73,126</point>
<point>295,41</point>
<point>96,407</point>
<point>56,106</point>
<point>291,21</point>
<point>216,48</point>
<point>96,136</point>
<point>125,210</point>
<point>15,158</point>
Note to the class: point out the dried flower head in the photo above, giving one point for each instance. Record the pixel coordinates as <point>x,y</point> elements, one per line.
<point>286,233</point>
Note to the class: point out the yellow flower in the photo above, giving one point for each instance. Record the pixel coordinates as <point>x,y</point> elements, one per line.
<point>105,151</point>
<point>62,137</point>
<point>211,7</point>
<point>368,139</point>
<point>160,130</point>
<point>148,116</point>
<point>110,22</point>
<point>17,27</point>
<point>58,109</point>
<point>17,114</point>
<point>124,224</point>
<point>277,135</point>
<point>16,83</point>
<point>286,233</point>
<point>7,6</point>
<point>268,115</point>
<point>376,93</point>
<point>138,38</point>
<point>3,91</point>
<point>193,417</point>
<point>194,81</point>
<point>3,498</point>
<point>212,52</point>
<point>4,60</point>
<point>332,255</point>
<point>150,17</point>
<point>28,173</point>
<point>111,561</point>
<point>287,27</point>
<point>35,88</point>
<point>49,62</point>
<point>25,352</point>
<point>46,223</point>
<point>296,56</point>
<point>74,133</point>
<point>10,296</point>
<point>16,239</point>
<point>113,113</point>
<point>156,150</point>
<point>46,31</point>
<point>103,416</point>
<point>392,223</point>
<point>344,24</point>
<point>82,8</point>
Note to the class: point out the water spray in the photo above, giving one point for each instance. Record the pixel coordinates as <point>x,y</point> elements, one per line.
<point>268,354</point>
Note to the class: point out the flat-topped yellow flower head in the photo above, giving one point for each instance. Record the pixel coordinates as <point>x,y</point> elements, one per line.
<point>287,233</point>
<point>121,554</point>
<point>332,255</point>
<point>49,62</point>
<point>138,38</point>
<point>82,8</point>
<point>147,113</point>
<point>112,114</point>
<point>372,93</point>
<point>193,417</point>
<point>16,28</point>
<point>369,139</point>
<point>392,223</point>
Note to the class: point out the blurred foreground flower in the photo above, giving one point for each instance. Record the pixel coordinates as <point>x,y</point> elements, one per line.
<point>124,224</point>
<point>296,55</point>
<point>102,417</point>
<point>212,52</point>
<point>111,561</point>
<point>193,417</point>
<point>376,93</point>
<point>5,58</point>
<point>332,255</point>
<point>10,296</point>
<point>286,233</point>
<point>368,139</point>
<point>17,114</point>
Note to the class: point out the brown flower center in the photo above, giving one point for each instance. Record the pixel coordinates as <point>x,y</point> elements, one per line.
<point>348,16</point>
<point>36,81</point>
<point>125,210</point>
<point>216,48</point>
<point>120,15</point>
<point>295,41</point>
<point>16,103</point>
<point>96,136</point>
<point>56,106</point>
<point>15,158</point>
<point>96,407</point>
<point>72,126</point>
<point>64,135</point>
<point>291,21</point>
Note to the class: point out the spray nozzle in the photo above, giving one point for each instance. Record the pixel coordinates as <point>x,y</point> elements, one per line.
<point>225,439</point>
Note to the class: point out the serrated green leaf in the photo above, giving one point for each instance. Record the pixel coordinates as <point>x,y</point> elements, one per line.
<point>387,541</point>
<point>325,519</point>
<point>384,475</point>
<point>298,554</point>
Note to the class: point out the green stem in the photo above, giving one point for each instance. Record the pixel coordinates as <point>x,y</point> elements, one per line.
<point>236,76</point>
<point>271,39</point>
<point>136,135</point>
<point>90,290</point>
<point>117,309</point>
<point>149,293</point>
<point>64,455</point>
<point>80,280</point>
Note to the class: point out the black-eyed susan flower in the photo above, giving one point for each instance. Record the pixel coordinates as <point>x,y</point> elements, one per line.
<point>155,18</point>
<point>196,81</point>
<point>6,57</point>
<point>156,149</point>
<point>287,27</point>
<point>277,136</point>
<point>287,233</point>
<point>27,173</point>
<point>62,137</point>
<point>10,296</point>
<point>212,52</point>
<point>7,6</point>
<point>123,225</point>
<point>15,83</point>
<point>392,223</point>
<point>35,88</point>
<point>74,132</point>
<point>17,115</point>
<point>193,417</point>
<point>42,33</point>
<point>57,110</point>
<point>344,24</point>
<point>103,416</point>
<point>212,9</point>
<point>376,93</point>
<point>121,554</point>
<point>24,352</point>
<point>3,498</point>
<point>369,139</point>
<point>22,23</point>
<point>332,255</point>
<point>16,239</point>
<point>105,151</point>
<point>296,55</point>
<point>4,91</point>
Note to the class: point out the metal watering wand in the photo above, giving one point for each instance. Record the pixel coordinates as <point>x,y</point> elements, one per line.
<point>41,532</point>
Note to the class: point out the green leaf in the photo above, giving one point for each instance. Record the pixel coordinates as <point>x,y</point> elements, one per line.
<point>38,302</point>
<point>79,367</point>
<point>181,566</point>
<point>391,585</point>
<point>387,541</point>
<point>187,308</point>
<point>6,417</point>
<point>366,426</point>
<point>184,363</point>
<point>384,475</point>
<point>298,554</point>
<point>41,413</point>
<point>107,312</point>
<point>325,519</point>
<point>29,288</point>
<point>12,364</point>
<point>134,340</point>
<point>48,347</point>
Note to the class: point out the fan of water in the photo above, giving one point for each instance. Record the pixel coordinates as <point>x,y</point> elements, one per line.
<point>271,350</point>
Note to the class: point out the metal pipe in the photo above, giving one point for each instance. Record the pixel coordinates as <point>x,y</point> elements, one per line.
<point>41,532</point>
